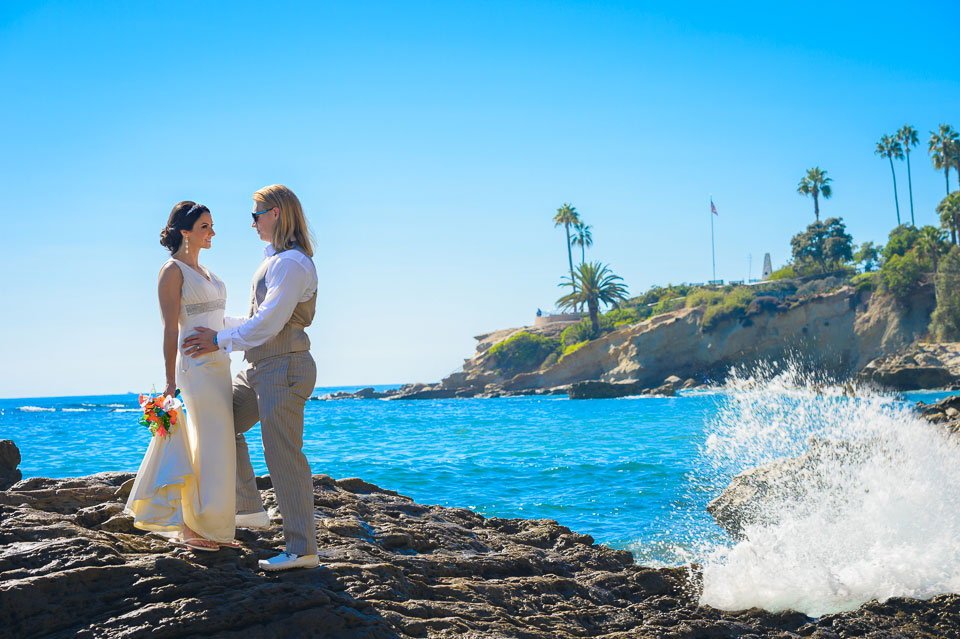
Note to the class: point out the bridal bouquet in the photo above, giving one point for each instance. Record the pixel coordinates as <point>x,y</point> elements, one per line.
<point>160,413</point>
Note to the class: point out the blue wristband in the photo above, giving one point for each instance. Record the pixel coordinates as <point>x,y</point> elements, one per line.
<point>215,343</point>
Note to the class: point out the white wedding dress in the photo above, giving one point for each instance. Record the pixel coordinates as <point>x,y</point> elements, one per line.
<point>189,477</point>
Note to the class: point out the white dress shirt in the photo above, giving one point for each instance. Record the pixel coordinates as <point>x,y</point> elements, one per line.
<point>291,278</point>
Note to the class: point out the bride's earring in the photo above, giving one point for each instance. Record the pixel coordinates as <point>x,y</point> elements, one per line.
<point>186,248</point>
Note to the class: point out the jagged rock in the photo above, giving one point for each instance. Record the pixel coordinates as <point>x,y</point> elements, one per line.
<point>673,380</point>
<point>595,389</point>
<point>9,460</point>
<point>945,413</point>
<point>425,391</point>
<point>756,495</point>
<point>917,367</point>
<point>72,565</point>
<point>689,383</point>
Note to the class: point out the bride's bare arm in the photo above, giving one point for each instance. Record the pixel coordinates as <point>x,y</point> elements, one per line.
<point>169,288</point>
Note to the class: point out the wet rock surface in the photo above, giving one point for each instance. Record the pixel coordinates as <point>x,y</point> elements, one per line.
<point>72,565</point>
<point>934,365</point>
<point>9,460</point>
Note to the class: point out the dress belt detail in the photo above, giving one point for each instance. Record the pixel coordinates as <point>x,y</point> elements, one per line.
<point>205,307</point>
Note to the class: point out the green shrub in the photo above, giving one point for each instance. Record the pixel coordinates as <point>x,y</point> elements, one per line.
<point>579,332</point>
<point>573,348</point>
<point>901,274</point>
<point>522,353</point>
<point>704,297</point>
<point>552,359</point>
<point>945,321</point>
<point>901,240</point>
<point>667,304</point>
<point>733,304</point>
<point>783,273</point>
<point>865,281</point>
<point>619,317</point>
<point>818,286</point>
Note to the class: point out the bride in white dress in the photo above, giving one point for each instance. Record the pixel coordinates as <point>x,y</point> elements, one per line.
<point>186,486</point>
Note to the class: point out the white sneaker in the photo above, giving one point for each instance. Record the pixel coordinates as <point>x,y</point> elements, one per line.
<point>286,561</point>
<point>257,521</point>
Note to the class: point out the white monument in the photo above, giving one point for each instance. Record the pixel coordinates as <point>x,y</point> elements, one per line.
<point>767,267</point>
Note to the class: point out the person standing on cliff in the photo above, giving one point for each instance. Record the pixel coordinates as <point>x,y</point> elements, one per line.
<point>280,377</point>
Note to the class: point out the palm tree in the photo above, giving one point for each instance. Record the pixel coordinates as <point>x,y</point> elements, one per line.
<point>567,215</point>
<point>941,150</point>
<point>907,135</point>
<point>593,284</point>
<point>929,243</point>
<point>949,210</point>
<point>582,238</point>
<point>815,183</point>
<point>889,147</point>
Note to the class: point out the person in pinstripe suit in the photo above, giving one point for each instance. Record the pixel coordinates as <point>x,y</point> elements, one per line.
<point>280,376</point>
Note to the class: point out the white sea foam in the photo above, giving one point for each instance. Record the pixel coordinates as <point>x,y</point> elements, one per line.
<point>36,409</point>
<point>75,410</point>
<point>873,519</point>
<point>126,410</point>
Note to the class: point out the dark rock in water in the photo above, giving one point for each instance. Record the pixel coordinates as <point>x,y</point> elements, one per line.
<point>757,495</point>
<point>72,565</point>
<point>945,413</point>
<point>9,460</point>
<point>425,391</point>
<point>917,367</point>
<point>596,389</point>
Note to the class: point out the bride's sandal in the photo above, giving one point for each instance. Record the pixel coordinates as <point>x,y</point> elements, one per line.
<point>229,544</point>
<point>193,545</point>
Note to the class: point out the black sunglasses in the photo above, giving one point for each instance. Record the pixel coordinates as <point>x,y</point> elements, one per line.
<point>255,215</point>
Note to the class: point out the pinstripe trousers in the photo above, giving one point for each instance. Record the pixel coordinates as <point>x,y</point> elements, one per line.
<point>273,391</point>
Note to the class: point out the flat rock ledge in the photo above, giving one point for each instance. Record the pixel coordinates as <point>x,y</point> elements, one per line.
<point>72,565</point>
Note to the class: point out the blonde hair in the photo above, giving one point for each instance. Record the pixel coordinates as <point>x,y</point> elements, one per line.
<point>291,228</point>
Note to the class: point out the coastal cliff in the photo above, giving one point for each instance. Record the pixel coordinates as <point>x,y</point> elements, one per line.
<point>840,333</point>
<point>72,565</point>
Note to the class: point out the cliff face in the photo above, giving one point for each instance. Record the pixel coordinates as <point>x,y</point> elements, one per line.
<point>839,332</point>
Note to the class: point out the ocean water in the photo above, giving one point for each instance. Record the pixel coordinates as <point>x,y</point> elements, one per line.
<point>635,473</point>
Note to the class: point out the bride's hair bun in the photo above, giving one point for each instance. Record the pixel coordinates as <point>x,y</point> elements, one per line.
<point>182,218</point>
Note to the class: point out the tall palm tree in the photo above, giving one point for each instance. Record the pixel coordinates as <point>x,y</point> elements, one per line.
<point>941,149</point>
<point>567,216</point>
<point>889,147</point>
<point>582,238</point>
<point>593,284</point>
<point>908,138</point>
<point>949,210</point>
<point>815,183</point>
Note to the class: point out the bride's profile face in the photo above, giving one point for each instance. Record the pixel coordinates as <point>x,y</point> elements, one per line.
<point>202,231</point>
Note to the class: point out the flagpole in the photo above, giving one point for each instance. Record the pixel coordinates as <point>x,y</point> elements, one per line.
<point>713,249</point>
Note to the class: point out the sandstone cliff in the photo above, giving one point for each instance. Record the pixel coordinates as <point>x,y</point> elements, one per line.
<point>839,332</point>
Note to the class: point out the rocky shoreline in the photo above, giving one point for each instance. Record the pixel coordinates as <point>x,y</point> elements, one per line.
<point>72,565</point>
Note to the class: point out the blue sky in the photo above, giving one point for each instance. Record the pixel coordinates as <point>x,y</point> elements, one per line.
<point>431,144</point>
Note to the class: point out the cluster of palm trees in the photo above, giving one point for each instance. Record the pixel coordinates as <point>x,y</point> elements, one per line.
<point>943,147</point>
<point>568,217</point>
<point>591,283</point>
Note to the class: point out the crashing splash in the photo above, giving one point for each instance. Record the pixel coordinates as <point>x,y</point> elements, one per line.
<point>876,517</point>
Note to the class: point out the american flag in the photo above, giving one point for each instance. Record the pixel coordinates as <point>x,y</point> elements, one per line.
<point>713,209</point>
